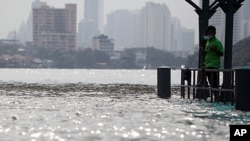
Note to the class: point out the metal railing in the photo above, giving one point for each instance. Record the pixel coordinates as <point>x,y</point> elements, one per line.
<point>196,81</point>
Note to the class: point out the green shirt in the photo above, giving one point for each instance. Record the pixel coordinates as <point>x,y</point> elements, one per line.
<point>212,59</point>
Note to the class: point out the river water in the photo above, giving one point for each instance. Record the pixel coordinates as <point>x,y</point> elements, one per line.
<point>105,105</point>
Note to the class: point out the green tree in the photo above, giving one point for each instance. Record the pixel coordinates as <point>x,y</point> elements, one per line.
<point>241,53</point>
<point>128,59</point>
<point>192,60</point>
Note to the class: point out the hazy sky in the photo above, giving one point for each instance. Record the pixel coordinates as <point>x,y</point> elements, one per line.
<point>14,12</point>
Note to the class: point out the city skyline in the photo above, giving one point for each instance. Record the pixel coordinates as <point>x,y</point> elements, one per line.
<point>13,23</point>
<point>92,22</point>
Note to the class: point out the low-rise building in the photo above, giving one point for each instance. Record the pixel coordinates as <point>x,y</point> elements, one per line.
<point>104,44</point>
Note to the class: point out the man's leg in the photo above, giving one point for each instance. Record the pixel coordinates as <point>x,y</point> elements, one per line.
<point>215,84</point>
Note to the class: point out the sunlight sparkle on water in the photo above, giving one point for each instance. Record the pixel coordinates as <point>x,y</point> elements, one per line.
<point>71,108</point>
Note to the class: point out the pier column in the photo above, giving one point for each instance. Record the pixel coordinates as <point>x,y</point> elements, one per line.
<point>164,82</point>
<point>242,89</point>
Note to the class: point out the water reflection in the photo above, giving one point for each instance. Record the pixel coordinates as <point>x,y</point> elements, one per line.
<point>109,112</point>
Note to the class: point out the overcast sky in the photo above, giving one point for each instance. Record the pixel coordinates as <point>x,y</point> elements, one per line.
<point>14,12</point>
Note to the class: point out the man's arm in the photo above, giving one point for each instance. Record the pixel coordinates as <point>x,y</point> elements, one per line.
<point>216,50</point>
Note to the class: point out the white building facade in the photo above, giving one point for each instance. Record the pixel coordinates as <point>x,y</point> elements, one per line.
<point>187,40</point>
<point>155,26</point>
<point>245,27</point>
<point>92,24</point>
<point>123,27</point>
<point>176,35</point>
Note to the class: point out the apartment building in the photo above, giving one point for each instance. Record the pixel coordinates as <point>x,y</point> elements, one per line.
<point>155,28</point>
<point>104,44</point>
<point>55,27</point>
<point>123,27</point>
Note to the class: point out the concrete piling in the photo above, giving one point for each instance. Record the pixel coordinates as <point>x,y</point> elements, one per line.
<point>164,82</point>
<point>242,89</point>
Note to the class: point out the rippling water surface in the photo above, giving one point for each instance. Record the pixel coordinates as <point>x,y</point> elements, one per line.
<point>105,105</point>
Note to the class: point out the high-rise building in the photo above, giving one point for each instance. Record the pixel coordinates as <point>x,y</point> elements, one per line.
<point>123,27</point>
<point>93,10</point>
<point>87,30</point>
<point>29,23</point>
<point>93,22</point>
<point>54,28</point>
<point>182,39</point>
<point>21,33</point>
<point>176,35</point>
<point>187,40</point>
<point>155,26</point>
<point>245,27</point>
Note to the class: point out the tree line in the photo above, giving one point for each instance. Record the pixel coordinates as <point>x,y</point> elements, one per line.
<point>90,58</point>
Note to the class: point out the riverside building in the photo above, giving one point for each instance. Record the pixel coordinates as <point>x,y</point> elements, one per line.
<point>104,44</point>
<point>55,27</point>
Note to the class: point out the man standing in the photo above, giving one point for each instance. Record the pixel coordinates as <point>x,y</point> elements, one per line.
<point>213,52</point>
